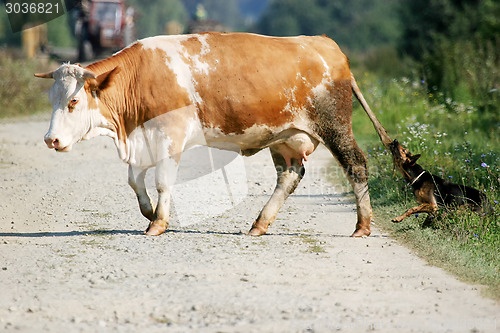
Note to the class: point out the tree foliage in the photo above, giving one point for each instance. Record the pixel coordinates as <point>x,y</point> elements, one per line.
<point>152,16</point>
<point>355,24</point>
<point>428,22</point>
<point>457,44</point>
<point>226,12</point>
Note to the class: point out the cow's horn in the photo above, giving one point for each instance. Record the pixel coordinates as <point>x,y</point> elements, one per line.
<point>88,74</point>
<point>48,75</point>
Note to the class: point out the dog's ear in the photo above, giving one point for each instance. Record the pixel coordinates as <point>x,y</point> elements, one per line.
<point>414,158</point>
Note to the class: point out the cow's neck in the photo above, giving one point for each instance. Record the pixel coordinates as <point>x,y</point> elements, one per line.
<point>118,103</point>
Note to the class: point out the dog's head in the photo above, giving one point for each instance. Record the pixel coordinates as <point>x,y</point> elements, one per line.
<point>401,156</point>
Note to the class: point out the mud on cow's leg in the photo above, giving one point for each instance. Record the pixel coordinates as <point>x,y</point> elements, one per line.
<point>136,181</point>
<point>166,171</point>
<point>288,179</point>
<point>353,162</point>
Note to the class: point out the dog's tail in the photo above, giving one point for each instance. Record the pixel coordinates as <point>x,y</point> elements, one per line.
<point>382,133</point>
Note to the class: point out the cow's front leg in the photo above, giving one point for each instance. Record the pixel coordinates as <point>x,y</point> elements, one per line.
<point>288,179</point>
<point>166,172</point>
<point>136,181</point>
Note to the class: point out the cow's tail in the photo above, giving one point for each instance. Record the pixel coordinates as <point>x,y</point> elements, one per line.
<point>382,133</point>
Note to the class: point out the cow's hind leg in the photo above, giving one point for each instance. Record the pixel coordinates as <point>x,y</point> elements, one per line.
<point>353,161</point>
<point>288,179</point>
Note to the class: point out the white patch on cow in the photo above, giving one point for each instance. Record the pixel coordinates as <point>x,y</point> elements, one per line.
<point>300,77</point>
<point>151,143</point>
<point>99,131</point>
<point>256,137</point>
<point>143,146</point>
<point>194,133</point>
<point>199,66</point>
<point>320,89</point>
<point>177,59</point>
<point>297,109</point>
<point>173,49</point>
<point>325,64</point>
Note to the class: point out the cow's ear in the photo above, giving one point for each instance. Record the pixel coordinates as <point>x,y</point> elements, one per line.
<point>88,74</point>
<point>104,81</point>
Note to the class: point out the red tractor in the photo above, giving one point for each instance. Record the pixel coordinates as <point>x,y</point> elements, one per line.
<point>103,25</point>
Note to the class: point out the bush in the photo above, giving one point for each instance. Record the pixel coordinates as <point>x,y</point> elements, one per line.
<point>20,92</point>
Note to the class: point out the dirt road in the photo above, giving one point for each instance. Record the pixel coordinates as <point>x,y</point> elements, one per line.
<point>73,257</point>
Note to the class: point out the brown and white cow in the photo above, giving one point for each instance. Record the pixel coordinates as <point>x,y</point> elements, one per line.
<point>244,92</point>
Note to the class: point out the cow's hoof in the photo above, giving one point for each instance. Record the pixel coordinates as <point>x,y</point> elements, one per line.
<point>256,231</point>
<point>156,228</point>
<point>361,233</point>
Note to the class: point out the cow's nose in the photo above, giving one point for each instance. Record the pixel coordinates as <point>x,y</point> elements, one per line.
<point>52,143</point>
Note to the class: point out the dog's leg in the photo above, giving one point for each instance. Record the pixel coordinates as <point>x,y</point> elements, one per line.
<point>423,208</point>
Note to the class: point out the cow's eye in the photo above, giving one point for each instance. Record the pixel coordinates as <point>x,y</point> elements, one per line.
<point>72,103</point>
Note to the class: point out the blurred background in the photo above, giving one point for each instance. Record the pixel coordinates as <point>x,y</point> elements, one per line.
<point>451,47</point>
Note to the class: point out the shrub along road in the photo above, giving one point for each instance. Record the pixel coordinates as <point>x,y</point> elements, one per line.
<point>73,257</point>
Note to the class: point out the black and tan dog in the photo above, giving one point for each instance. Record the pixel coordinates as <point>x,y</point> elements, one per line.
<point>430,190</point>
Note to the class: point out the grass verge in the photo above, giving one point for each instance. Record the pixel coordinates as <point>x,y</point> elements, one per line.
<point>459,143</point>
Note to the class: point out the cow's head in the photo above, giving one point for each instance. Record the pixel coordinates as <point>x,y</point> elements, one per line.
<point>74,98</point>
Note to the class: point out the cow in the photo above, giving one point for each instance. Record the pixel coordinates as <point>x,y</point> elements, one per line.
<point>244,92</point>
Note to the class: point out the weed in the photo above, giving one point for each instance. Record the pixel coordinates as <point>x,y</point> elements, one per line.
<point>314,244</point>
<point>162,320</point>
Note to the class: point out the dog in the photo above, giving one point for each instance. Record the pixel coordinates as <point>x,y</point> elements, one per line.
<point>430,190</point>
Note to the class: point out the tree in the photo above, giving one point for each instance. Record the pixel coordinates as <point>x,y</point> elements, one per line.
<point>457,45</point>
<point>152,16</point>
<point>224,11</point>
<point>355,24</point>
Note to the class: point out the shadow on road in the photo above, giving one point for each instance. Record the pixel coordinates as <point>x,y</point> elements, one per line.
<point>170,231</point>
<point>70,233</point>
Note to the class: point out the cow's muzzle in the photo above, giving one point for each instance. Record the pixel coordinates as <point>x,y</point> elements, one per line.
<point>55,143</point>
<point>51,142</point>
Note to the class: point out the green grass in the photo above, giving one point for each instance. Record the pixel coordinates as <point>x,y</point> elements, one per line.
<point>457,142</point>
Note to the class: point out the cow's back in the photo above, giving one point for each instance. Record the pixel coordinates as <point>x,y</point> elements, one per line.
<point>240,80</point>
